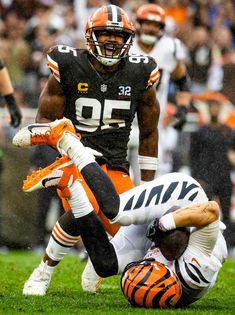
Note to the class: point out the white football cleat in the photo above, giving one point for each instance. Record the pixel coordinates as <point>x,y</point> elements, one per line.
<point>90,279</point>
<point>43,133</point>
<point>38,282</point>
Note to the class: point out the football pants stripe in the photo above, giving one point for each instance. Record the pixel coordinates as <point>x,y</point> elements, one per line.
<point>69,241</point>
<point>66,235</point>
<point>58,242</point>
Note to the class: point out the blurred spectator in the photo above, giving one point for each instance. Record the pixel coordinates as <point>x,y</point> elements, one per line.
<point>230,119</point>
<point>83,9</point>
<point>223,39</point>
<point>200,59</point>
<point>213,13</point>
<point>177,9</point>
<point>222,72</point>
<point>228,74</point>
<point>167,141</point>
<point>14,49</point>
<point>212,153</point>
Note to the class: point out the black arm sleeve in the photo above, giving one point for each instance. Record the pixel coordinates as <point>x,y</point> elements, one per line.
<point>183,84</point>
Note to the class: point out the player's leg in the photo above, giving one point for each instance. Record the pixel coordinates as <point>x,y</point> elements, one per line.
<point>121,182</point>
<point>130,244</point>
<point>65,235</point>
<point>124,209</point>
<point>62,135</point>
<point>95,239</point>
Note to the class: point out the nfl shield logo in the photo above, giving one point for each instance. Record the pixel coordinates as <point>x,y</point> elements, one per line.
<point>103,88</point>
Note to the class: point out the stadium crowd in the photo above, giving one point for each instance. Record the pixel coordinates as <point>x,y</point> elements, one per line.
<point>207,30</point>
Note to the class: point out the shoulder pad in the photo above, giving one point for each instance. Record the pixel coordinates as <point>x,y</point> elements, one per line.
<point>154,74</point>
<point>59,56</point>
<point>149,67</point>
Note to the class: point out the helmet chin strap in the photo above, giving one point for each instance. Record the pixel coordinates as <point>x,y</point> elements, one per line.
<point>148,39</point>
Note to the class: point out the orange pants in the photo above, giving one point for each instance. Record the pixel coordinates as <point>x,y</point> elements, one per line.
<point>121,181</point>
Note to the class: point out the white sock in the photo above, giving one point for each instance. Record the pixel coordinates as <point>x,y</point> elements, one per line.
<point>78,200</point>
<point>72,145</point>
<point>55,251</point>
<point>48,269</point>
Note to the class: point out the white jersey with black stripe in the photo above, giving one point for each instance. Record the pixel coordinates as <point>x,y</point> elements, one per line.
<point>142,204</point>
<point>198,267</point>
<point>166,52</point>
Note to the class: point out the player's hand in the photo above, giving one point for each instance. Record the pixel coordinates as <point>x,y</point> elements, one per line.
<point>153,233</point>
<point>15,114</point>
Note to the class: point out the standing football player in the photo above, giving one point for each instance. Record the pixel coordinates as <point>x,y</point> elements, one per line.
<point>169,53</point>
<point>158,212</point>
<point>99,89</point>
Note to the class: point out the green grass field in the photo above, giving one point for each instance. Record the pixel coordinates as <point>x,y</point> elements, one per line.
<point>65,295</point>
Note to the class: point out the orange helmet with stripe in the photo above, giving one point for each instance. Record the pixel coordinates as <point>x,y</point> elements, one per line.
<point>112,20</point>
<point>150,284</point>
<point>150,14</point>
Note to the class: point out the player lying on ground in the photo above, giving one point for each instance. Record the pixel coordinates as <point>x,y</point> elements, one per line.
<point>198,258</point>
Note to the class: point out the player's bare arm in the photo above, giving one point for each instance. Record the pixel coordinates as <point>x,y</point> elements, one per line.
<point>179,71</point>
<point>197,215</point>
<point>5,82</point>
<point>148,115</point>
<point>51,102</point>
<point>6,91</point>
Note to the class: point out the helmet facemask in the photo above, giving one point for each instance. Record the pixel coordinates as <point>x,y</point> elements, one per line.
<point>110,21</point>
<point>109,52</point>
<point>148,38</point>
<point>150,13</point>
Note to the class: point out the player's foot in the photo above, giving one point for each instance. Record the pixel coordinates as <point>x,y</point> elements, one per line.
<point>90,279</point>
<point>38,282</point>
<point>61,174</point>
<point>43,133</point>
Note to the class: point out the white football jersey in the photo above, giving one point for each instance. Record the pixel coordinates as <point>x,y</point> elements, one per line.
<point>142,204</point>
<point>198,267</point>
<point>166,52</point>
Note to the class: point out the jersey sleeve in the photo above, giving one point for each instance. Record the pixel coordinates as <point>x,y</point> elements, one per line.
<point>154,73</point>
<point>53,59</point>
<point>180,51</point>
<point>203,240</point>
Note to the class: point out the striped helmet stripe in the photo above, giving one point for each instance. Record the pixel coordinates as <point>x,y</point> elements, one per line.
<point>114,13</point>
